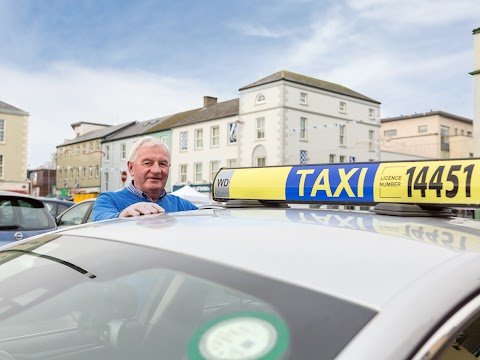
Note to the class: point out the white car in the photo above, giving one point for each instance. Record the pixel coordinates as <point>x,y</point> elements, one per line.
<point>267,276</point>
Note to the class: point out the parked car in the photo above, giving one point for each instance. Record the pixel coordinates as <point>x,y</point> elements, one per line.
<point>22,216</point>
<point>77,214</point>
<point>264,276</point>
<point>56,206</point>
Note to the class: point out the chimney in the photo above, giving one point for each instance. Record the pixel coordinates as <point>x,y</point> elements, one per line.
<point>209,100</point>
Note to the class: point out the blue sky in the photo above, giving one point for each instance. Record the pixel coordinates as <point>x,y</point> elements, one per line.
<point>113,61</point>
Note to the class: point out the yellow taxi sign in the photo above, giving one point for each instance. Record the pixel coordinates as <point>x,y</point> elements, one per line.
<point>437,182</point>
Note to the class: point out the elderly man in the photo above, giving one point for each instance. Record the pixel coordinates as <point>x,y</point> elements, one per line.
<point>149,165</point>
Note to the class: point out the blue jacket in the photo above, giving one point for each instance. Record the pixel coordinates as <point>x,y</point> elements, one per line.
<point>109,205</point>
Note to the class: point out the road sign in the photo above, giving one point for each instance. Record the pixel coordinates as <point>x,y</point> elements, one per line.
<point>124,176</point>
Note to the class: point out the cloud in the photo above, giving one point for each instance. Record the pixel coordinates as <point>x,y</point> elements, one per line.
<point>259,30</point>
<point>66,93</point>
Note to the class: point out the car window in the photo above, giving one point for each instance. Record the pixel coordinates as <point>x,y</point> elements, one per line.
<point>24,213</point>
<point>61,208</point>
<point>65,293</point>
<point>74,215</point>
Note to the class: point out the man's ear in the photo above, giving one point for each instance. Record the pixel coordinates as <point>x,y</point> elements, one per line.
<point>130,167</point>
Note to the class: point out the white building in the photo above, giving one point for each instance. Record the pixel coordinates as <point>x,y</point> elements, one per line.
<point>476,90</point>
<point>283,119</point>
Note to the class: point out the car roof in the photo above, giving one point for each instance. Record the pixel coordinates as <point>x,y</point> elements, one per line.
<point>411,237</point>
<point>346,256</point>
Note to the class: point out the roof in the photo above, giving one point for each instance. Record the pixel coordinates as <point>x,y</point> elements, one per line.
<point>98,134</point>
<point>9,109</point>
<point>136,129</point>
<point>309,81</point>
<point>171,121</point>
<point>359,256</point>
<point>216,111</point>
<point>428,114</point>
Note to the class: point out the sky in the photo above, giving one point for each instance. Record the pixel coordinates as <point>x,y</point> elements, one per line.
<point>116,61</point>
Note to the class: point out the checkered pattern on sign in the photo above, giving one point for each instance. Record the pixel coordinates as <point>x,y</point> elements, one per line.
<point>303,157</point>
<point>184,140</point>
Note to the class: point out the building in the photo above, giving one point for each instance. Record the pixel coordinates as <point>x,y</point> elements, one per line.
<point>79,161</point>
<point>476,89</point>
<point>13,144</point>
<point>285,118</point>
<point>435,134</point>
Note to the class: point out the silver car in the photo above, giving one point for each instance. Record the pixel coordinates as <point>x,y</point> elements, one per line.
<point>251,280</point>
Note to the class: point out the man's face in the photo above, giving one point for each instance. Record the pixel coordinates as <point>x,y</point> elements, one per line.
<point>150,169</point>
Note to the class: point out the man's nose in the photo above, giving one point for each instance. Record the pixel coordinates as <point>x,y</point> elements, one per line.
<point>156,167</point>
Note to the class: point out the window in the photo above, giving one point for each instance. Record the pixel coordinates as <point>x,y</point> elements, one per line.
<point>332,158</point>
<point>164,139</point>
<point>123,151</point>
<point>97,145</point>
<point>107,152</point>
<point>303,157</point>
<point>462,132</point>
<point>1,166</point>
<point>232,133</point>
<point>183,173</point>
<point>198,172</point>
<point>77,172</point>
<point>84,172</point>
<point>371,140</point>
<point>391,132</point>
<point>371,114</point>
<point>97,171</point>
<point>303,98</point>
<point>422,128</point>
<point>106,181</point>
<point>90,172</point>
<point>342,158</point>
<point>469,133</point>
<point>303,128</point>
<point>215,136</point>
<point>343,107</point>
<point>90,146</point>
<point>342,135</point>
<point>214,167</point>
<point>232,163</point>
<point>71,174</point>
<point>444,138</point>
<point>183,141</point>
<point>260,99</point>
<point>260,125</point>
<point>2,130</point>
<point>199,139</point>
<point>77,150</point>
<point>261,161</point>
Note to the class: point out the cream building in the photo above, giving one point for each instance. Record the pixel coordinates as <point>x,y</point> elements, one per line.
<point>476,88</point>
<point>435,134</point>
<point>13,143</point>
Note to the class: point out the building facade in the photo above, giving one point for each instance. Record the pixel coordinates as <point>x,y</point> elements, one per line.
<point>13,143</point>
<point>476,89</point>
<point>79,161</point>
<point>436,135</point>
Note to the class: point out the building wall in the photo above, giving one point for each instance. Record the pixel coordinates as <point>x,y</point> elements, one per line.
<point>222,153</point>
<point>14,148</point>
<point>77,166</point>
<point>283,110</point>
<point>410,140</point>
<point>476,89</point>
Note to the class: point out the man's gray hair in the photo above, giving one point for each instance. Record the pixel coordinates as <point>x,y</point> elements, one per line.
<point>146,141</point>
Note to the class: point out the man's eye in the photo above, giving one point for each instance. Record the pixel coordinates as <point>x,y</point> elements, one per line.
<point>147,163</point>
<point>164,164</point>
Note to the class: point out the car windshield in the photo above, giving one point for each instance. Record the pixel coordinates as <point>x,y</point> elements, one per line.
<point>70,297</point>
<point>23,214</point>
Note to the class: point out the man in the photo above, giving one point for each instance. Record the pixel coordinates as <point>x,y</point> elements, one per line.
<point>149,165</point>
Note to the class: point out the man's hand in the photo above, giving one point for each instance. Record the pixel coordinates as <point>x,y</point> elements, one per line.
<point>141,208</point>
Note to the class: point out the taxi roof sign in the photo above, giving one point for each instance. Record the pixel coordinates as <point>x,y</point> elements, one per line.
<point>435,182</point>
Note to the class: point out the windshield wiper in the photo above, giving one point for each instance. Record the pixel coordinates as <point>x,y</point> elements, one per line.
<point>51,258</point>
